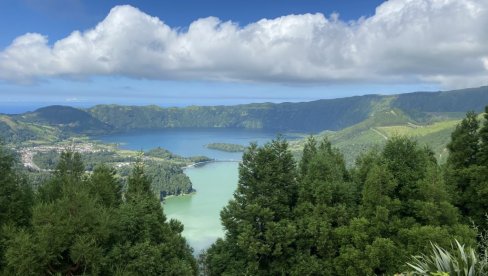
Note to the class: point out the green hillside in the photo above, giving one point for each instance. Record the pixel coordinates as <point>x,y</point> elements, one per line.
<point>15,131</point>
<point>352,123</point>
<point>376,130</point>
<point>65,118</point>
<point>305,117</point>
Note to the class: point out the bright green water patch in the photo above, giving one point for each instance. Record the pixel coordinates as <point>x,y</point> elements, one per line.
<point>200,212</point>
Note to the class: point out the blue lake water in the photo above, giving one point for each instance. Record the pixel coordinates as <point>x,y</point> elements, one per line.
<point>215,182</point>
<point>191,141</point>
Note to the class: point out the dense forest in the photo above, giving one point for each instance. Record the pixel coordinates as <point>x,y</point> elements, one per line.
<point>167,178</point>
<point>226,147</point>
<point>395,211</point>
<point>319,218</point>
<point>78,224</point>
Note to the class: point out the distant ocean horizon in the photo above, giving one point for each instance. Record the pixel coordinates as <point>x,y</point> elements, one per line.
<point>17,108</point>
<point>21,107</point>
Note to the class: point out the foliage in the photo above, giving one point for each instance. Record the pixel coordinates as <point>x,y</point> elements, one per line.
<point>467,169</point>
<point>226,147</point>
<point>258,221</point>
<point>167,178</point>
<point>80,224</point>
<point>335,221</point>
<point>463,261</point>
<point>16,199</point>
<point>167,155</point>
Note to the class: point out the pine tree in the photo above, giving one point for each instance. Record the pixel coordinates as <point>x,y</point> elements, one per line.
<point>258,221</point>
<point>326,200</point>
<point>69,228</point>
<point>139,185</point>
<point>405,204</point>
<point>105,186</point>
<point>467,171</point>
<point>309,151</point>
<point>67,175</point>
<point>483,134</point>
<point>464,145</point>
<point>145,243</point>
<point>70,165</point>
<point>16,199</point>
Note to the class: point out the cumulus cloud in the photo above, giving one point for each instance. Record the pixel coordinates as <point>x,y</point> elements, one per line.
<point>407,41</point>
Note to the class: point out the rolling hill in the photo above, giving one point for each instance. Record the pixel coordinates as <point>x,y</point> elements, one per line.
<point>353,124</point>
<point>305,117</point>
<point>66,118</point>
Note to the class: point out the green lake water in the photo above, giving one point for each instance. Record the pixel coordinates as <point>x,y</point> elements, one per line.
<point>214,182</point>
<point>200,212</point>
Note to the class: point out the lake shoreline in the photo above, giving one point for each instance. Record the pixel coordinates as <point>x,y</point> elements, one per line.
<point>203,163</point>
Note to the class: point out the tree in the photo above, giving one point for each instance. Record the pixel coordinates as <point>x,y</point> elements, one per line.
<point>145,243</point>
<point>327,199</point>
<point>70,165</point>
<point>405,204</point>
<point>483,134</point>
<point>68,173</point>
<point>69,227</point>
<point>104,184</point>
<point>139,185</point>
<point>86,228</point>
<point>259,229</point>
<point>464,145</point>
<point>467,170</point>
<point>16,199</point>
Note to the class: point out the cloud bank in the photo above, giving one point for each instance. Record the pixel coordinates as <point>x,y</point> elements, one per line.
<point>405,41</point>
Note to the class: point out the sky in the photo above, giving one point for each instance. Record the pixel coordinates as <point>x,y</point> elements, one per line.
<point>194,52</point>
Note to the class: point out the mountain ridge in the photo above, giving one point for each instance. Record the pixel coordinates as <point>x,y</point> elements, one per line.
<point>305,117</point>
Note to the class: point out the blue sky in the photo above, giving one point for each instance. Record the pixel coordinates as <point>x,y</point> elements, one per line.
<point>176,53</point>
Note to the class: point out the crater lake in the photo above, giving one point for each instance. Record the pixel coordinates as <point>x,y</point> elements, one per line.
<point>214,182</point>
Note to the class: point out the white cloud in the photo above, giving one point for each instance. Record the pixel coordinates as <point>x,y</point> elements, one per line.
<point>407,41</point>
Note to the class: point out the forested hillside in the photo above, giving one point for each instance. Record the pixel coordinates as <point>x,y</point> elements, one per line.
<point>167,177</point>
<point>66,118</point>
<point>305,117</point>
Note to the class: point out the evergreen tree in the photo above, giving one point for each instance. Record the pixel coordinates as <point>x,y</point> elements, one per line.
<point>104,184</point>
<point>68,173</point>
<point>467,170</point>
<point>404,205</point>
<point>70,165</point>
<point>326,200</point>
<point>309,151</point>
<point>145,244</point>
<point>69,228</point>
<point>16,199</point>
<point>86,228</point>
<point>483,134</point>
<point>260,232</point>
<point>139,185</point>
<point>464,145</point>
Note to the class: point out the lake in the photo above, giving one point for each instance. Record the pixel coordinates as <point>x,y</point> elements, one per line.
<point>215,182</point>
<point>190,141</point>
<point>200,212</point>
